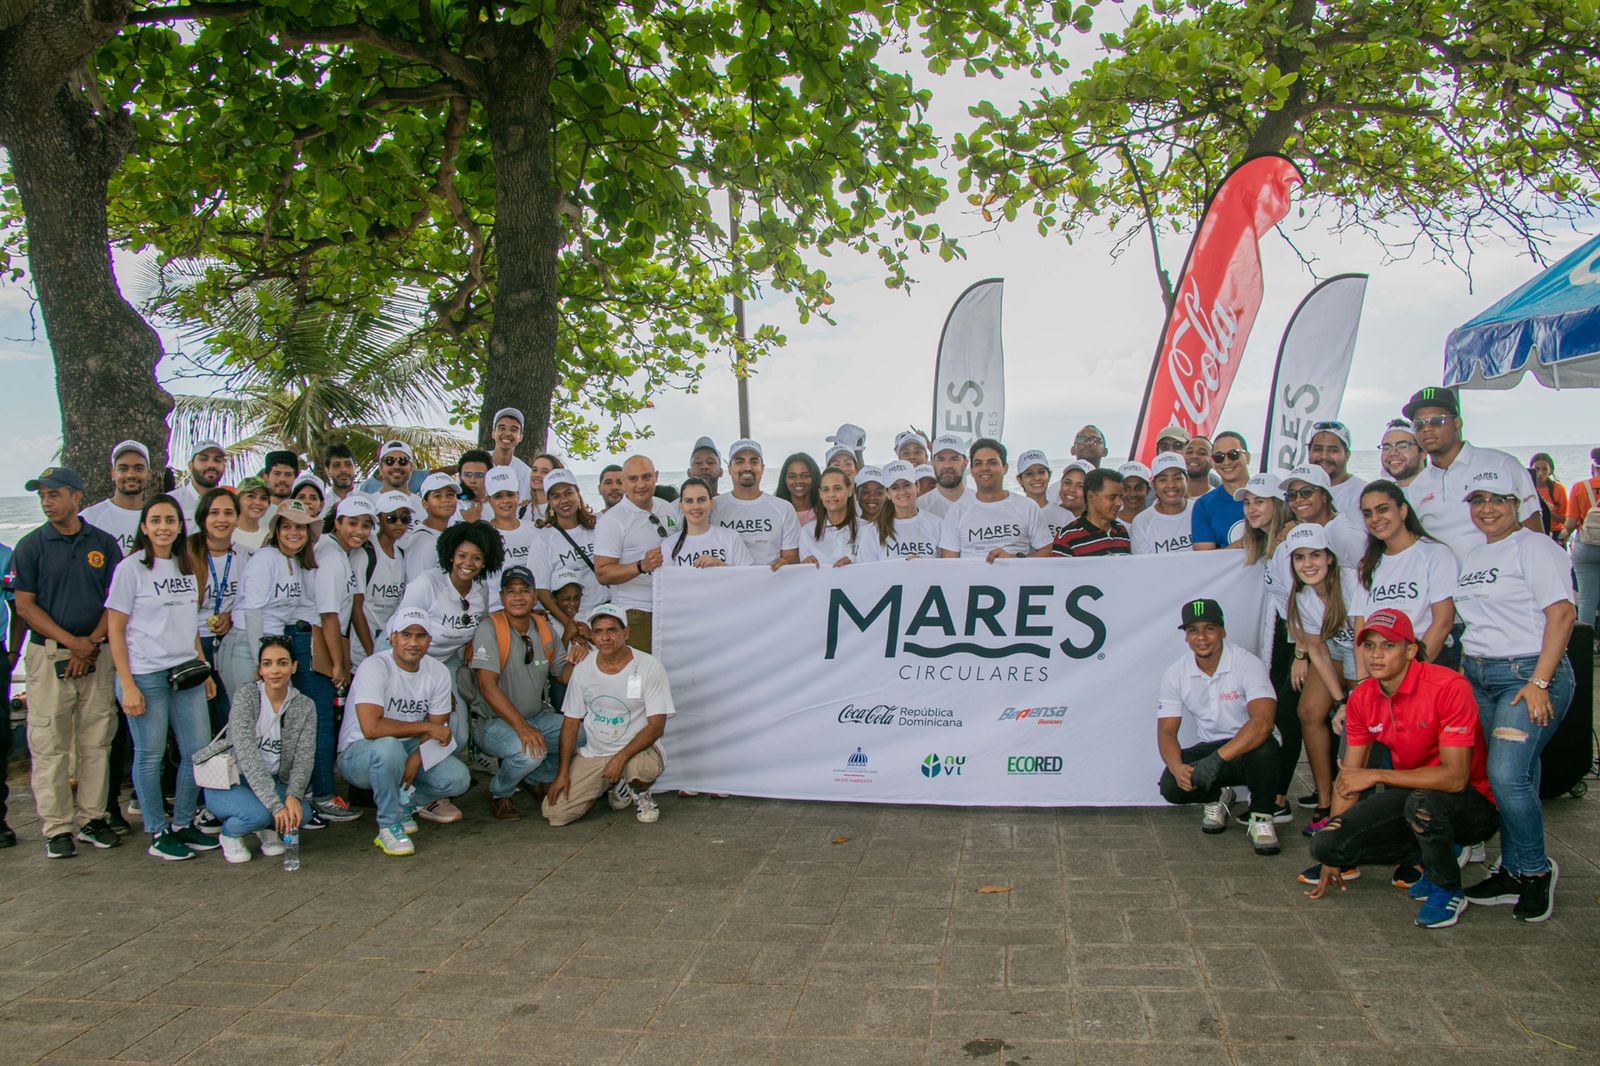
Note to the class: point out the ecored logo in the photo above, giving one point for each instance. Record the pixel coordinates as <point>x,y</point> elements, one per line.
<point>1033,764</point>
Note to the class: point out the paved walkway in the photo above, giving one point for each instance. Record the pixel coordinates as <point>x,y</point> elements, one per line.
<point>748,932</point>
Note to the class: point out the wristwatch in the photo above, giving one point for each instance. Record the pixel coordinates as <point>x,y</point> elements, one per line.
<point>1539,682</point>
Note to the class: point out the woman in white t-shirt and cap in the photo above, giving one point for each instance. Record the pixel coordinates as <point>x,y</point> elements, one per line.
<point>902,530</point>
<point>517,537</point>
<point>1309,494</point>
<point>152,623</point>
<point>1405,569</point>
<point>1033,475</point>
<point>1136,479</point>
<point>1266,522</point>
<point>841,458</point>
<point>927,479</point>
<point>833,538</point>
<point>699,543</point>
<point>871,491</point>
<point>309,490</point>
<point>566,542</point>
<point>380,572</point>
<point>1326,605</point>
<point>1165,526</point>
<point>1515,596</point>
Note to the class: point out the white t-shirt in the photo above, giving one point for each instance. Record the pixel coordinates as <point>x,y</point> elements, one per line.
<point>188,498</point>
<point>122,523</point>
<point>555,552</point>
<point>716,542</point>
<point>1219,704</point>
<point>1503,590</point>
<point>767,524</point>
<point>1413,581</point>
<point>936,504</point>
<point>614,707</point>
<point>1057,518</point>
<point>250,540</point>
<point>1347,498</point>
<point>1154,533</point>
<point>380,594</point>
<point>975,529</point>
<point>1279,580</point>
<point>404,695</point>
<point>422,551</point>
<point>834,543</point>
<point>1439,496</point>
<point>521,549</point>
<point>1311,607</point>
<point>269,730</point>
<point>914,538</point>
<point>453,623</point>
<point>274,584</point>
<point>334,580</point>
<point>162,606</point>
<point>222,577</point>
<point>625,533</point>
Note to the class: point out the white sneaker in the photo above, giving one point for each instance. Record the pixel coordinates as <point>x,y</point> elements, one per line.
<point>621,796</point>
<point>408,823</point>
<point>1263,834</point>
<point>233,848</point>
<point>271,842</point>
<point>1214,819</point>
<point>484,763</point>
<point>1470,854</point>
<point>393,841</point>
<point>645,807</point>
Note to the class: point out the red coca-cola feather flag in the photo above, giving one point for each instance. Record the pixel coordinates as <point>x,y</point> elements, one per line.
<point>1218,296</point>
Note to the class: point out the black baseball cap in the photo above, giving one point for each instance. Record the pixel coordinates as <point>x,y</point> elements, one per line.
<point>55,477</point>
<point>1196,611</point>
<point>517,573</point>
<point>280,458</point>
<point>1432,396</point>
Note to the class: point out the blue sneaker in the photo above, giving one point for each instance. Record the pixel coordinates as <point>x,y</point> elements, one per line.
<point>1442,909</point>
<point>1421,889</point>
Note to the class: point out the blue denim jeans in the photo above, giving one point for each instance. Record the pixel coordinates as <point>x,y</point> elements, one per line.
<point>185,714</point>
<point>319,690</point>
<point>1586,565</point>
<point>380,765</point>
<point>240,809</point>
<point>1515,745</point>
<point>494,737</point>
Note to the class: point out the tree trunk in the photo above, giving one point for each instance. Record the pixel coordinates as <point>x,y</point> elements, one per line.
<point>62,155</point>
<point>522,365</point>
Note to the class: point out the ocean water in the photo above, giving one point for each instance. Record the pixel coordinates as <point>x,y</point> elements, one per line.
<point>18,514</point>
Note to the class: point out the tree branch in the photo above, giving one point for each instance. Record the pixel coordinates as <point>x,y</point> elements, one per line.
<point>192,13</point>
<point>463,71</point>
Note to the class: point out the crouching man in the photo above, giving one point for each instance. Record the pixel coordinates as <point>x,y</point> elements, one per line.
<point>1226,693</point>
<point>621,699</point>
<point>1437,794</point>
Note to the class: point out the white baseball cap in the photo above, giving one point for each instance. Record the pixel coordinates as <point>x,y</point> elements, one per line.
<point>355,505</point>
<point>745,444</point>
<point>202,446</point>
<point>308,478</point>
<point>1494,482</point>
<point>507,412</point>
<point>923,470</point>
<point>501,479</point>
<point>1311,474</point>
<point>395,447</point>
<point>559,476</point>
<point>1031,458</point>
<point>609,610</point>
<point>707,443</point>
<point>1135,469</point>
<point>1334,426</point>
<point>130,446</point>
<point>1261,486</point>
<point>562,578</point>
<point>899,470</point>
<point>949,442</point>
<point>1306,535</point>
<point>390,502</point>
<point>906,435</point>
<point>1079,464</point>
<point>436,481</point>
<point>1168,461</point>
<point>407,617</point>
<point>876,475</point>
<point>849,436</point>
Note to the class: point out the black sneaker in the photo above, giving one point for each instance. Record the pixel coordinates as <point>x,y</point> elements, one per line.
<point>1282,814</point>
<point>208,823</point>
<point>8,836</point>
<point>195,840</point>
<point>1538,899</point>
<point>312,820</point>
<point>1499,889</point>
<point>1307,802</point>
<point>119,825</point>
<point>60,846</point>
<point>98,833</point>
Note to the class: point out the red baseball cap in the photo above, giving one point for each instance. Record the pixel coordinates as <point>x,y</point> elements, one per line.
<point>1389,624</point>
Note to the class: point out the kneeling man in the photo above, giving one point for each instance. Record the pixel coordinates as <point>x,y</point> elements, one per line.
<point>621,699</point>
<point>1437,794</point>
<point>399,700</point>
<point>1226,692</point>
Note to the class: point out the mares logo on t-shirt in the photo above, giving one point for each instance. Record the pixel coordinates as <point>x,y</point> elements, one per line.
<point>180,585</point>
<point>1003,531</point>
<point>1396,590</point>
<point>906,549</point>
<point>286,590</point>
<point>406,708</point>
<point>1172,544</point>
<point>746,526</point>
<point>378,591</point>
<point>1479,577</point>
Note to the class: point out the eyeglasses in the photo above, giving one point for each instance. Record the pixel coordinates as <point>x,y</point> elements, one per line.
<point>1088,439</point>
<point>661,530</point>
<point>400,518</point>
<point>1397,446</point>
<point>1168,445</point>
<point>1230,455</point>
<point>396,460</point>
<point>475,476</point>
<point>1432,421</point>
<point>1484,499</point>
<point>1300,494</point>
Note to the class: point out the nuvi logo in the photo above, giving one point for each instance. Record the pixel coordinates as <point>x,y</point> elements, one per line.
<point>949,765</point>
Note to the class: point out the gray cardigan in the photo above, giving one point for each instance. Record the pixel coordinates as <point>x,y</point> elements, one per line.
<point>299,745</point>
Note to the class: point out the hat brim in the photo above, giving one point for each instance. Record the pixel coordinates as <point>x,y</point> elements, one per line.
<point>299,518</point>
<point>1386,632</point>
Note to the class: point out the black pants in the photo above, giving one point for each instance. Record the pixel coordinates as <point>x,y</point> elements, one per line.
<point>5,728</point>
<point>1256,769</point>
<point>1402,825</point>
<point>1288,715</point>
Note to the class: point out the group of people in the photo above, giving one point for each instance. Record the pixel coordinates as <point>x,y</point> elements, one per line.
<point>489,608</point>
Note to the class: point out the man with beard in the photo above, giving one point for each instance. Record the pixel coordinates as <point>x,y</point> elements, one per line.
<point>339,470</point>
<point>705,463</point>
<point>950,469</point>
<point>279,470</point>
<point>206,463</point>
<point>612,486</point>
<point>1330,449</point>
<point>1197,462</point>
<point>767,525</point>
<point>130,476</point>
<point>1399,453</point>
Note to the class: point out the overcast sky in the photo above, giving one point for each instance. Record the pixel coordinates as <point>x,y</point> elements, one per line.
<point>1080,332</point>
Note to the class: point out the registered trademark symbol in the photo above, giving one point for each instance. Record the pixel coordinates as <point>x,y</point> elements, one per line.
<point>1102,655</point>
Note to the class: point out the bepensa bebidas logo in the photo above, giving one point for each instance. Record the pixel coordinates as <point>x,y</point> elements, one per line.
<point>1054,715</point>
<point>934,765</point>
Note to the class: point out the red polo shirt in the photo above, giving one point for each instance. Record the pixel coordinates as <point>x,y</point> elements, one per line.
<point>1433,708</point>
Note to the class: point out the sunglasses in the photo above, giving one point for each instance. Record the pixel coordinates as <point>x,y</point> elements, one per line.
<point>661,530</point>
<point>1432,421</point>
<point>1398,446</point>
<point>1230,455</point>
<point>474,476</point>
<point>1168,445</point>
<point>527,649</point>
<point>1300,494</point>
<point>401,518</point>
<point>1484,499</point>
<point>396,460</point>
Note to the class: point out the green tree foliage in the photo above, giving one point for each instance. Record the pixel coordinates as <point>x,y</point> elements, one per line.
<point>1427,123</point>
<point>553,173</point>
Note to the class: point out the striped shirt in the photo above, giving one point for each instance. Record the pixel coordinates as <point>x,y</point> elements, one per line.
<point>1080,540</point>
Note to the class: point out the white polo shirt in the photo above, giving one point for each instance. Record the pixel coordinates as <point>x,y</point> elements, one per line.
<point>1219,704</point>
<point>625,533</point>
<point>1438,496</point>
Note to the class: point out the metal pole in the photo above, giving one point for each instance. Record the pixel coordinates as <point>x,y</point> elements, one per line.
<point>738,316</point>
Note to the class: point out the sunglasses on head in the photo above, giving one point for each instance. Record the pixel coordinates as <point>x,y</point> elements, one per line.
<point>1300,494</point>
<point>395,460</point>
<point>1432,421</point>
<point>1230,455</point>
<point>1333,426</point>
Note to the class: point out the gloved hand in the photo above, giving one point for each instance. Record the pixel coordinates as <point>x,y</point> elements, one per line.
<point>1206,771</point>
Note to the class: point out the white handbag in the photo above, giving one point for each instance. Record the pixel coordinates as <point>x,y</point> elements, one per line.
<point>220,770</point>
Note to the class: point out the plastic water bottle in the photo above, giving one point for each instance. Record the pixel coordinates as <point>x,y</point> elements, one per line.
<point>291,851</point>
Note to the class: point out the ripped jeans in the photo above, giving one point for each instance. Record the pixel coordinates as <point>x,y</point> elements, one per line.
<point>1515,745</point>
<point>1405,825</point>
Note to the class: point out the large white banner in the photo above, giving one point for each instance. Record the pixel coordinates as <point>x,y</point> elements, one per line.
<point>1029,682</point>
<point>1313,366</point>
<point>969,376</point>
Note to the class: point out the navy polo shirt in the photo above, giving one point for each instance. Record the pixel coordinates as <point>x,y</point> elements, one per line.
<point>68,575</point>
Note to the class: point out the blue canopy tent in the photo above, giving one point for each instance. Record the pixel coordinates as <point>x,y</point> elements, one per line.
<point>1550,326</point>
